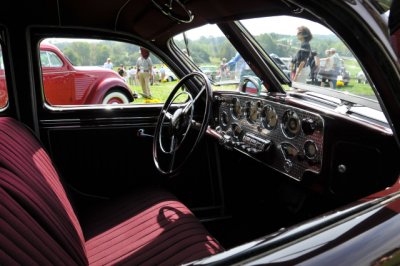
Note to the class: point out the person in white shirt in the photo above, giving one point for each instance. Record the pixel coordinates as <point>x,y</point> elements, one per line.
<point>331,67</point>
<point>144,67</point>
<point>132,76</point>
<point>162,72</point>
<point>335,61</point>
<point>108,64</point>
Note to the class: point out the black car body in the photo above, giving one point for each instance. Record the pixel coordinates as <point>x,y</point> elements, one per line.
<point>281,64</point>
<point>276,171</point>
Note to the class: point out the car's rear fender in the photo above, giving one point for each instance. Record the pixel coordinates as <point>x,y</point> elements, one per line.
<point>107,85</point>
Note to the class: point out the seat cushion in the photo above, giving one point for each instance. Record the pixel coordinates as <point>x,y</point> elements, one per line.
<point>147,227</point>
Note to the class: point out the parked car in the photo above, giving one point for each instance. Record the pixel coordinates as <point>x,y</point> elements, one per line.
<point>169,76</point>
<point>361,78</point>
<point>281,64</point>
<point>342,74</point>
<point>211,72</point>
<point>267,172</point>
<point>66,84</point>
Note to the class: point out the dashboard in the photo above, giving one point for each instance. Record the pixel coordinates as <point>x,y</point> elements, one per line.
<point>284,137</point>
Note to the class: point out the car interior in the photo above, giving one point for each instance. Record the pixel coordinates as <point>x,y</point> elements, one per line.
<point>202,172</point>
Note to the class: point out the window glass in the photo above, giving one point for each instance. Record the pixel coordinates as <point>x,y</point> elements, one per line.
<point>215,56</point>
<point>3,85</point>
<point>310,53</point>
<point>44,59</point>
<point>306,52</point>
<point>55,61</point>
<point>80,72</point>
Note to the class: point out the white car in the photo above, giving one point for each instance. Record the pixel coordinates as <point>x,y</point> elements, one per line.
<point>361,78</point>
<point>169,76</point>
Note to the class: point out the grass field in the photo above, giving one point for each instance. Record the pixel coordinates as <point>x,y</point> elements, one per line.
<point>161,91</point>
<point>354,87</point>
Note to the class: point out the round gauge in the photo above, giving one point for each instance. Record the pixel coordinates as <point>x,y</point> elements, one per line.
<point>237,131</point>
<point>236,108</point>
<point>310,149</point>
<point>269,117</point>
<point>291,125</point>
<point>252,111</point>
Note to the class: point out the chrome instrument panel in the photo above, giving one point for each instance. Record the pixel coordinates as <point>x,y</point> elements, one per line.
<point>284,137</point>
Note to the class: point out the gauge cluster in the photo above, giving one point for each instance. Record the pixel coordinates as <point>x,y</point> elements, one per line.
<point>284,137</point>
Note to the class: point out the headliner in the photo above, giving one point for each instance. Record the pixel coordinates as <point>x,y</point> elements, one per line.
<point>139,18</point>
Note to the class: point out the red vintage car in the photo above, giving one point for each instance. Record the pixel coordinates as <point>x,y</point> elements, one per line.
<point>66,84</point>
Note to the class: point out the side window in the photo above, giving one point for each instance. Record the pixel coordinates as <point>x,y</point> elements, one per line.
<point>55,61</point>
<point>3,85</point>
<point>44,59</point>
<point>102,72</point>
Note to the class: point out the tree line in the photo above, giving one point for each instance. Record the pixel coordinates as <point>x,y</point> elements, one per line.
<point>212,49</point>
<point>205,50</point>
<point>84,53</point>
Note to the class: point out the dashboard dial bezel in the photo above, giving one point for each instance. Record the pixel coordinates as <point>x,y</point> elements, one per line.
<point>291,124</point>
<point>236,109</point>
<point>252,113</point>
<point>269,117</point>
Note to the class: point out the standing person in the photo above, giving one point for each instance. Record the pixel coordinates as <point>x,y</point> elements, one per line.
<point>122,71</point>
<point>162,72</point>
<point>132,76</point>
<point>301,70</point>
<point>223,69</point>
<point>314,67</point>
<point>108,64</point>
<point>329,70</point>
<point>241,67</point>
<point>325,69</point>
<point>156,76</point>
<point>144,71</point>
<point>335,60</point>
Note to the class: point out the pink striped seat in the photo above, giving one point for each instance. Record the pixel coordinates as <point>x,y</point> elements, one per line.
<point>38,224</point>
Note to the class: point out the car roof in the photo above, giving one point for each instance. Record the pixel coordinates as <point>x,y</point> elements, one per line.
<point>138,18</point>
<point>48,46</point>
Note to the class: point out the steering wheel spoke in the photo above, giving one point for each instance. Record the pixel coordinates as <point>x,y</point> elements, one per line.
<point>167,114</point>
<point>172,161</point>
<point>191,103</point>
<point>173,141</point>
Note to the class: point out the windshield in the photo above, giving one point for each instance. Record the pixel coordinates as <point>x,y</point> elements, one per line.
<point>310,55</point>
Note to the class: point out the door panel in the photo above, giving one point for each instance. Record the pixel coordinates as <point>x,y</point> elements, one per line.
<point>108,159</point>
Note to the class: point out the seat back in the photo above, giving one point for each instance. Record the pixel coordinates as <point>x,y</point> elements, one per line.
<point>38,224</point>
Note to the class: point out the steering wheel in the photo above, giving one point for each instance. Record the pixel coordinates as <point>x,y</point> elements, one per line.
<point>177,133</point>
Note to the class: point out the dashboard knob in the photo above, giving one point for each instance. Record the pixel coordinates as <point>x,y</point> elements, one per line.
<point>308,126</point>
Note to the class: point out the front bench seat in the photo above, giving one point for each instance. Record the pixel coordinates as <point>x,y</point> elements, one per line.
<point>38,224</point>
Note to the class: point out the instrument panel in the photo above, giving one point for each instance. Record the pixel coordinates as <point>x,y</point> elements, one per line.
<point>284,137</point>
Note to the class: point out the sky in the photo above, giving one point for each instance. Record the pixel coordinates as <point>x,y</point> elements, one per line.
<point>280,24</point>
<point>284,25</point>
